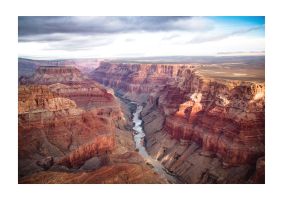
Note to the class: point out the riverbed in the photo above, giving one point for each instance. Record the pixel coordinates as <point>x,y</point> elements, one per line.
<point>139,138</point>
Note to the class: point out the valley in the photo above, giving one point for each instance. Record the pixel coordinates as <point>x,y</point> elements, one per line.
<point>75,132</point>
<point>141,123</point>
<point>202,129</point>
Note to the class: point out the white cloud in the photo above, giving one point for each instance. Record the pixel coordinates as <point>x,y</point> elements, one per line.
<point>194,24</point>
<point>142,44</point>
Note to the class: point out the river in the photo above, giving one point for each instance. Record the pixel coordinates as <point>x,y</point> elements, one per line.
<point>139,140</point>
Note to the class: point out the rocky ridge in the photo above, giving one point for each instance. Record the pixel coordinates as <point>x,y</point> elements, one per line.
<point>54,74</point>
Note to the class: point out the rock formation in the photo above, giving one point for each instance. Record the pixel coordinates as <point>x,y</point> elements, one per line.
<point>133,79</point>
<point>27,67</point>
<point>205,130</point>
<point>113,174</point>
<point>54,74</point>
<point>72,130</point>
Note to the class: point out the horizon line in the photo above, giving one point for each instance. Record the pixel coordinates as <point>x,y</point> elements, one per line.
<point>222,54</point>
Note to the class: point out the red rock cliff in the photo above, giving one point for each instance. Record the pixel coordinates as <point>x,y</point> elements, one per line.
<point>54,74</point>
<point>192,120</point>
<point>50,125</point>
<point>71,125</point>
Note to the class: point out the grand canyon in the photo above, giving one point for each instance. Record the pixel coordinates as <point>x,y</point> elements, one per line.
<point>140,119</point>
<point>141,123</point>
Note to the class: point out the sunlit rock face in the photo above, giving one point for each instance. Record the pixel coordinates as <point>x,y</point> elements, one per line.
<point>52,125</point>
<point>87,94</point>
<point>228,122</point>
<point>219,125</point>
<point>202,129</point>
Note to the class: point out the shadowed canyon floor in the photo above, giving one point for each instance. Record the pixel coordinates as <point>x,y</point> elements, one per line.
<point>201,128</point>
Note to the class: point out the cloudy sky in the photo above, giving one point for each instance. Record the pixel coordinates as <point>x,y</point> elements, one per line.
<point>85,37</point>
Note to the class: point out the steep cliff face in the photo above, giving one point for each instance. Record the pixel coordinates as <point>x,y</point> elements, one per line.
<point>216,134</point>
<point>202,129</point>
<point>137,80</point>
<point>50,125</point>
<point>68,127</point>
<point>54,74</point>
<point>227,121</point>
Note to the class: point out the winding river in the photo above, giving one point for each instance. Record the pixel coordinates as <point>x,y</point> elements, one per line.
<point>139,140</point>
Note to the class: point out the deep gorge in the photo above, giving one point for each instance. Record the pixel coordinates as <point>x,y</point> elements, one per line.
<point>77,128</point>
<point>201,129</point>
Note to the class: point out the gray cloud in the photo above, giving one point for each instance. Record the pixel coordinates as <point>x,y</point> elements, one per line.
<point>58,28</point>
<point>67,25</point>
<point>85,33</point>
<point>211,37</point>
<point>44,38</point>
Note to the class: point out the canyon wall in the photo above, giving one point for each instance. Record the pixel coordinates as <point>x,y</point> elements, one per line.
<point>54,74</point>
<point>70,126</point>
<point>204,130</point>
<point>27,67</point>
<point>136,81</point>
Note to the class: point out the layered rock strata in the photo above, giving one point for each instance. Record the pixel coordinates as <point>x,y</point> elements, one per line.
<point>51,125</point>
<point>133,79</point>
<point>204,130</point>
<point>54,74</point>
<point>75,132</point>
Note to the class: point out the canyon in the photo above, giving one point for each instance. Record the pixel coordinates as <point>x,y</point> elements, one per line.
<point>77,127</point>
<point>202,129</point>
<point>73,130</point>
